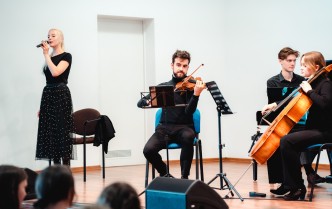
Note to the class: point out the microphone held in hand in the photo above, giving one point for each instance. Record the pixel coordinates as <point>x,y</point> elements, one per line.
<point>41,44</point>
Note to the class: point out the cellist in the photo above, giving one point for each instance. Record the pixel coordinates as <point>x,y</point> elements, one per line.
<point>318,128</point>
<point>287,58</point>
<point>286,78</point>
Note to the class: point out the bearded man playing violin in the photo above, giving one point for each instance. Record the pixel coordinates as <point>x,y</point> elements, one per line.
<point>178,124</point>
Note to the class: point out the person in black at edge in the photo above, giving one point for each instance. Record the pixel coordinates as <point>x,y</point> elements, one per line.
<point>180,127</point>
<point>287,78</point>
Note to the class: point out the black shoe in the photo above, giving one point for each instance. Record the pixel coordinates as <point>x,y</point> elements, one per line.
<point>280,191</point>
<point>296,194</point>
<point>315,179</point>
<point>184,177</point>
<point>328,179</point>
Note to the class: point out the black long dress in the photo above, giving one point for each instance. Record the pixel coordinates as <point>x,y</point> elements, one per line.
<point>55,116</point>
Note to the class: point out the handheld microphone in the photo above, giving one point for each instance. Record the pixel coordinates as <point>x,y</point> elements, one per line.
<point>41,44</point>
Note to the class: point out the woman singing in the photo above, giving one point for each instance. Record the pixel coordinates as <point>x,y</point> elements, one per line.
<point>55,114</point>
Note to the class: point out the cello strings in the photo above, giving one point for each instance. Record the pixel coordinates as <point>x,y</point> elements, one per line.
<point>290,96</point>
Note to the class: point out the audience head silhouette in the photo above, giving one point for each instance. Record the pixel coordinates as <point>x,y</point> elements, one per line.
<point>13,182</point>
<point>55,188</point>
<point>119,195</point>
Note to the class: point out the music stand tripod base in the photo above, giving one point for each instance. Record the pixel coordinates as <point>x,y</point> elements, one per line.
<point>228,185</point>
<point>222,108</point>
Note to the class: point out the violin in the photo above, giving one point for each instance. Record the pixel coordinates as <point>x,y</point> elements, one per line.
<point>189,82</point>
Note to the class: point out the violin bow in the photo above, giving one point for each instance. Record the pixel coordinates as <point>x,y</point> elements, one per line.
<point>188,77</point>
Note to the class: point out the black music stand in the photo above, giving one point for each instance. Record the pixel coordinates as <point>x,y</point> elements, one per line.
<point>163,97</point>
<point>222,108</point>
<point>255,138</point>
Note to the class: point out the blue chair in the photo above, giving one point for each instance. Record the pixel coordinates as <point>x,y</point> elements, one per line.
<point>320,148</point>
<point>197,144</point>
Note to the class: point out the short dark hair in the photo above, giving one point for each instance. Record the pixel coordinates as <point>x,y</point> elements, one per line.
<point>119,195</point>
<point>53,184</point>
<point>10,178</point>
<point>285,52</point>
<point>181,54</point>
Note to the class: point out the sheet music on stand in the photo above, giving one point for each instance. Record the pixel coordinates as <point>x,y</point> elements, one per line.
<point>162,97</point>
<point>218,97</point>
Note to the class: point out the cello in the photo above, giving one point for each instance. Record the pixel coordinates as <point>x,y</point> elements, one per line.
<point>269,142</point>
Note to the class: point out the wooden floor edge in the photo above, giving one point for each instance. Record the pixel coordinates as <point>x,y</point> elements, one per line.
<point>88,168</point>
<point>205,160</point>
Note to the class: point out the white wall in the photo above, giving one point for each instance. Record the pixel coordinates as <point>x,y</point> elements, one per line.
<point>237,40</point>
<point>255,32</point>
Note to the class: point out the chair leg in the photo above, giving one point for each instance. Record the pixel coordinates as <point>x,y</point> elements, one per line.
<point>254,170</point>
<point>153,172</point>
<point>201,159</point>
<point>146,174</point>
<point>329,155</point>
<point>196,161</point>
<point>316,169</point>
<point>84,162</point>
<point>103,159</point>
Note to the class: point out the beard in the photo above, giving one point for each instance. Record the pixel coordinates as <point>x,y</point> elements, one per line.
<point>179,75</point>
